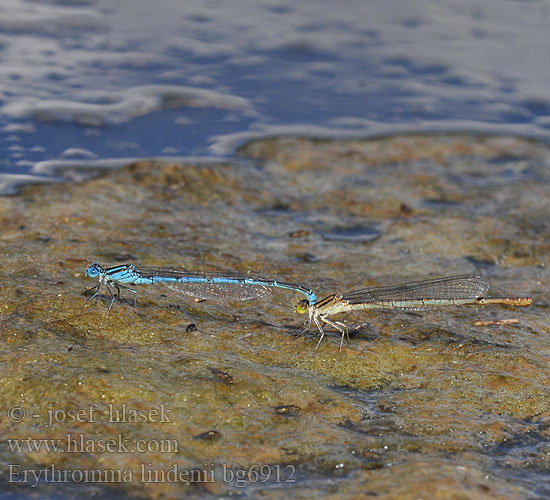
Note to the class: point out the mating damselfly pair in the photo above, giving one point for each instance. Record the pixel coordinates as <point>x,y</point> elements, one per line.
<point>467,289</point>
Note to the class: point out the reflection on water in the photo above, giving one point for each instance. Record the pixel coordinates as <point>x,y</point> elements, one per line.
<point>122,79</point>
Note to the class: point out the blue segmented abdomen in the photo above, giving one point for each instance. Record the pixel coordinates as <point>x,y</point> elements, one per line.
<point>209,287</point>
<point>226,286</point>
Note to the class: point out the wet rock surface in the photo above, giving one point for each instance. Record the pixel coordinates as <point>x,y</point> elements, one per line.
<point>421,404</point>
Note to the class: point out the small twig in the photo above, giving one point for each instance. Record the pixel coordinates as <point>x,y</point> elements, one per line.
<point>512,321</point>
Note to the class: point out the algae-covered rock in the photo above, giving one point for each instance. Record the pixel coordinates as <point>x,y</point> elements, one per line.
<point>420,404</point>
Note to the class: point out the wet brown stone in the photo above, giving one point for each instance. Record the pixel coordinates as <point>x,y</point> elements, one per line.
<point>422,405</point>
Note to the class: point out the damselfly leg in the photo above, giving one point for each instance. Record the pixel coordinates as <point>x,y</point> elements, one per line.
<point>118,286</point>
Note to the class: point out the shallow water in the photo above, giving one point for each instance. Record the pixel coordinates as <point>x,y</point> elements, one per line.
<point>420,404</point>
<point>87,82</point>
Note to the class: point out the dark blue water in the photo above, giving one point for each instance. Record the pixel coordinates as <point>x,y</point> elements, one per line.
<point>97,80</point>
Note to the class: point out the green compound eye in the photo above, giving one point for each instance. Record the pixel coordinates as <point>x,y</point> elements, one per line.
<point>302,307</point>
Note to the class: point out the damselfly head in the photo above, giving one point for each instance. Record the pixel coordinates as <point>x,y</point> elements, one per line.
<point>94,270</point>
<point>302,307</point>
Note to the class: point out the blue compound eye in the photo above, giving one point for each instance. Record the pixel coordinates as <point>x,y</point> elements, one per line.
<point>93,270</point>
